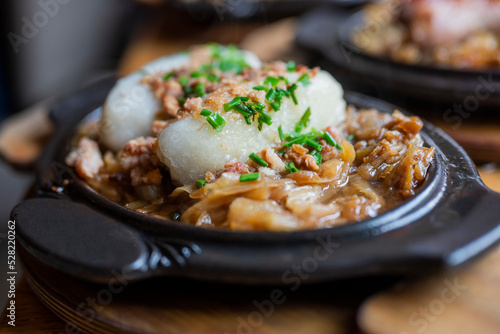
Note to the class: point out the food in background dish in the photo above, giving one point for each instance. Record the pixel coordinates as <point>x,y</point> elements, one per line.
<point>214,138</point>
<point>451,33</point>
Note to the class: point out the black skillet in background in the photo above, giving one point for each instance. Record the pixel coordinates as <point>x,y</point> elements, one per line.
<point>328,33</point>
<point>222,10</point>
<point>70,227</point>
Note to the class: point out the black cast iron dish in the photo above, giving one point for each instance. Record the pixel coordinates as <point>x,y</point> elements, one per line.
<point>202,10</point>
<point>329,32</point>
<point>452,219</point>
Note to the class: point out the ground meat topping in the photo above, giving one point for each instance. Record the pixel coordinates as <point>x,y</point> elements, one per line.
<point>236,167</point>
<point>86,158</point>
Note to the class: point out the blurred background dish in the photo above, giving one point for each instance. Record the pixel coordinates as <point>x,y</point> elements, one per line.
<point>446,33</point>
<point>253,10</point>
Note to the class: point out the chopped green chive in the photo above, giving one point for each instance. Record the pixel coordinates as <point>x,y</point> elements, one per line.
<point>275,106</point>
<point>283,92</point>
<point>183,81</point>
<point>350,137</point>
<point>195,74</point>
<point>280,132</point>
<point>314,144</point>
<point>304,79</point>
<point>205,112</point>
<point>168,76</point>
<point>248,120</point>
<point>271,94</point>
<point>304,121</point>
<point>329,139</point>
<point>216,121</point>
<point>290,167</point>
<point>273,81</point>
<point>201,183</point>
<point>261,88</point>
<point>299,140</point>
<point>175,216</point>
<point>213,78</point>
<point>292,89</point>
<point>285,80</point>
<point>291,66</point>
<point>243,109</point>
<point>249,177</point>
<point>258,160</point>
<point>199,89</point>
<point>317,157</point>
<point>264,119</point>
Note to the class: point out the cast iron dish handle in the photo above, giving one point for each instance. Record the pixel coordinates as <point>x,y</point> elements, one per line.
<point>72,233</point>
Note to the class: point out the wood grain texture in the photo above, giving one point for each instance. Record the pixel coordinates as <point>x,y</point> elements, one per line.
<point>460,302</point>
<point>32,317</point>
<point>186,306</point>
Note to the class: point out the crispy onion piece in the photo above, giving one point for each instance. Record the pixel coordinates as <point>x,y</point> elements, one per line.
<point>215,198</point>
<point>249,214</point>
<point>303,203</point>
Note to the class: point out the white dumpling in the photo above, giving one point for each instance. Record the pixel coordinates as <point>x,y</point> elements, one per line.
<point>131,106</point>
<point>190,147</point>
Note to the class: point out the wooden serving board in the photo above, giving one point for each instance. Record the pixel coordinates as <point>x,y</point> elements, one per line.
<point>186,306</point>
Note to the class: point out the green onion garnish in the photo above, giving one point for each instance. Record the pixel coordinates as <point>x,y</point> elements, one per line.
<point>249,177</point>
<point>283,92</point>
<point>199,89</point>
<point>258,160</point>
<point>317,157</point>
<point>275,106</point>
<point>216,121</point>
<point>273,81</point>
<point>264,119</point>
<point>168,76</point>
<point>304,121</point>
<point>290,167</point>
<point>291,66</point>
<point>314,144</point>
<point>183,81</point>
<point>260,88</point>
<point>350,137</point>
<point>304,79</point>
<point>201,183</point>
<point>205,112</point>
<point>299,140</point>
<point>292,89</point>
<point>285,80</point>
<point>248,120</point>
<point>271,94</point>
<point>329,139</point>
<point>175,216</point>
<point>213,78</point>
<point>195,74</point>
<point>243,109</point>
<point>280,132</point>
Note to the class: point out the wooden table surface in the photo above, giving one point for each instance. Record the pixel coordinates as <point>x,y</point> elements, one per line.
<point>402,309</point>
